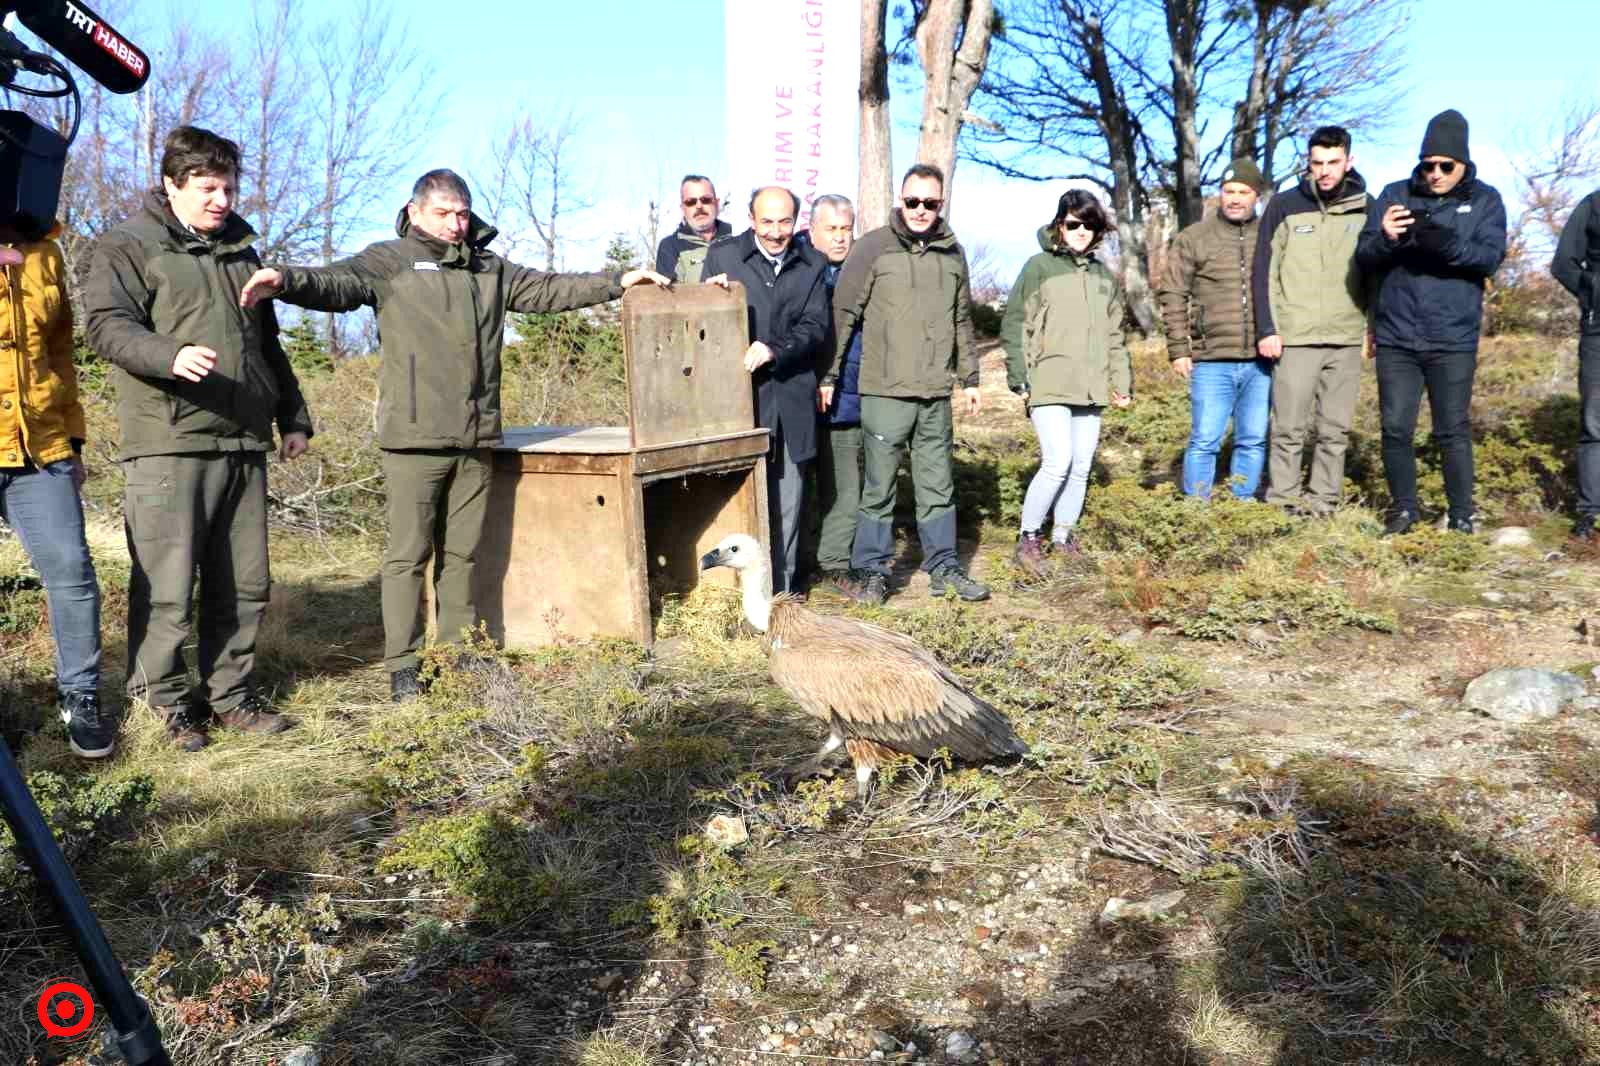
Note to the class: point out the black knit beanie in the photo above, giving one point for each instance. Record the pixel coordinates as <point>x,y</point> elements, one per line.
<point>1446,136</point>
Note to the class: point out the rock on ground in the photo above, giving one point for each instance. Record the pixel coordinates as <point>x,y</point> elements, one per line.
<point>1522,694</point>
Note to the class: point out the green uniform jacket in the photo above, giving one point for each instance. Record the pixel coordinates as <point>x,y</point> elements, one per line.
<point>441,316</point>
<point>1205,291</point>
<point>154,287</point>
<point>1062,330</point>
<point>909,294</point>
<point>1307,288</point>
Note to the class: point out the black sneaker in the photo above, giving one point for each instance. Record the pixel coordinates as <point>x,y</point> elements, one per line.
<point>951,576</point>
<point>1399,522</point>
<point>871,588</point>
<point>404,684</point>
<point>92,736</point>
<point>254,714</point>
<point>1460,525</point>
<point>1583,528</point>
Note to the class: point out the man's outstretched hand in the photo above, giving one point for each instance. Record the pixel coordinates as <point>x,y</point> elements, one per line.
<point>635,277</point>
<point>264,284</point>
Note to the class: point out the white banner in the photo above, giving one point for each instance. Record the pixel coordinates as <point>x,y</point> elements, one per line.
<point>793,78</point>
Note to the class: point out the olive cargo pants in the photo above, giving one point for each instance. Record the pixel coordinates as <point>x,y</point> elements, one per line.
<point>180,512</point>
<point>438,500</point>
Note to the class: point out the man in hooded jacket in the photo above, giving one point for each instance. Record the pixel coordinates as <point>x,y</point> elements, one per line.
<point>1432,241</point>
<point>441,298</point>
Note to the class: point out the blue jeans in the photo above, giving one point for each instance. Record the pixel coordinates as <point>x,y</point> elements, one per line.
<point>1219,391</point>
<point>42,505</point>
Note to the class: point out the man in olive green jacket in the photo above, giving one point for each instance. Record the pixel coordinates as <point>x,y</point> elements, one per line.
<point>441,297</point>
<point>905,286</point>
<point>1205,302</point>
<point>1310,304</point>
<point>199,386</point>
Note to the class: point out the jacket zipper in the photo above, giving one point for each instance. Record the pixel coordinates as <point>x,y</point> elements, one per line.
<point>1245,327</point>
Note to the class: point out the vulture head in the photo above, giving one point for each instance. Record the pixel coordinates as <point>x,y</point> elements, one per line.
<point>744,554</point>
<point>740,551</point>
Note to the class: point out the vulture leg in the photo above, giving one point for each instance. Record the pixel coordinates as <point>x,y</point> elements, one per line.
<point>864,782</point>
<point>814,764</point>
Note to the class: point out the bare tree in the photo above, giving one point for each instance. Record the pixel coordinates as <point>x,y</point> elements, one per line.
<point>1067,117</point>
<point>1311,63</point>
<point>953,46</point>
<point>534,191</point>
<point>875,195</point>
<point>366,68</point>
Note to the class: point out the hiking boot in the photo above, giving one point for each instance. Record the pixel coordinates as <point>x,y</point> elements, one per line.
<point>91,735</point>
<point>1583,528</point>
<point>1029,554</point>
<point>871,588</point>
<point>1399,522</point>
<point>254,714</point>
<point>185,727</point>
<point>1066,543</point>
<point>952,576</point>
<point>404,684</point>
<point>1460,525</point>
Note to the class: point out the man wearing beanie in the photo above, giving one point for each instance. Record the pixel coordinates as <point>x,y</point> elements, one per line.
<point>1431,242</point>
<point>1206,306</point>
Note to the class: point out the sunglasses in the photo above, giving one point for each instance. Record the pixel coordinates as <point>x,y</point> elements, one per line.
<point>1448,166</point>
<point>703,201</point>
<point>914,203</point>
<point>1072,224</point>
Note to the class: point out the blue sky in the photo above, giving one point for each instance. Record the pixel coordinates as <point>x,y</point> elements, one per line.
<point>645,80</point>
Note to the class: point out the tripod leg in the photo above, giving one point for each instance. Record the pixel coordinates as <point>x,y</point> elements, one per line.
<point>137,1036</point>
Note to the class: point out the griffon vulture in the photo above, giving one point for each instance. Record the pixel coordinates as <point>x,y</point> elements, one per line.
<point>880,692</point>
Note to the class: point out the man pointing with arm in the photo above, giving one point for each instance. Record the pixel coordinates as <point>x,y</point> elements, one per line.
<point>441,297</point>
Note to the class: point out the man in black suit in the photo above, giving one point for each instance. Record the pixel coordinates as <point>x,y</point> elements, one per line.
<point>788,298</point>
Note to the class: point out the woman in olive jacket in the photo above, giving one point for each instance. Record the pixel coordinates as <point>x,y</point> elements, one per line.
<point>1066,358</point>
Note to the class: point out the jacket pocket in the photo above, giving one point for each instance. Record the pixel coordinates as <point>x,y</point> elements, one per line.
<point>412,386</point>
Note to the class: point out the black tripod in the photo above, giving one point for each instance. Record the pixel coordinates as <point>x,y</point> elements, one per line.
<point>137,1036</point>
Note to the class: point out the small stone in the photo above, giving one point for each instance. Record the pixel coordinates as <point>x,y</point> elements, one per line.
<point>727,831</point>
<point>852,949</point>
<point>982,995</point>
<point>607,982</point>
<point>1118,909</point>
<point>303,1056</point>
<point>936,867</point>
<point>960,1046</point>
<point>1522,694</point>
<point>882,1040</point>
<point>1493,597</point>
<point>982,932</point>
<point>791,1027</point>
<point>816,938</point>
<point>1512,537</point>
<point>912,910</point>
<point>1130,636</point>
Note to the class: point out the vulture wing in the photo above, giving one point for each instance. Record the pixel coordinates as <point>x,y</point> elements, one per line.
<point>883,686</point>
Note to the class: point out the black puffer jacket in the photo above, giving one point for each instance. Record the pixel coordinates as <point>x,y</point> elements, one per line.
<point>1430,283</point>
<point>1577,261</point>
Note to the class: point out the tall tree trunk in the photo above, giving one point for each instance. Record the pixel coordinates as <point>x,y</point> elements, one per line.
<point>951,73</point>
<point>875,194</point>
<point>1120,131</point>
<point>1247,113</point>
<point>1183,34</point>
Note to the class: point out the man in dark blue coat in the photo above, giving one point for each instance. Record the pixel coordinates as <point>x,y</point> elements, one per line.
<point>789,324</point>
<point>1433,240</point>
<point>1577,267</point>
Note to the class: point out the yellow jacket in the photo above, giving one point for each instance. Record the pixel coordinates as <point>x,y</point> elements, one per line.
<point>39,409</point>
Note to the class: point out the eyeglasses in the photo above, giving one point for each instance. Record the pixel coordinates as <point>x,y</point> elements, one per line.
<point>914,203</point>
<point>703,201</point>
<point>1446,166</point>
<point>1072,224</point>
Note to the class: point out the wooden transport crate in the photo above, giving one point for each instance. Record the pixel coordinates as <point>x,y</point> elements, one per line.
<point>590,525</point>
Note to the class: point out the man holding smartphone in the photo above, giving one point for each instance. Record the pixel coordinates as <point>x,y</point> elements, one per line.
<point>1432,240</point>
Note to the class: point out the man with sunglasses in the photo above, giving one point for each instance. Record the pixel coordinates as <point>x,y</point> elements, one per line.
<point>681,256</point>
<point>905,285</point>
<point>1432,241</point>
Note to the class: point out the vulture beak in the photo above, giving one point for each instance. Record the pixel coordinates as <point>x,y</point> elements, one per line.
<point>711,559</point>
